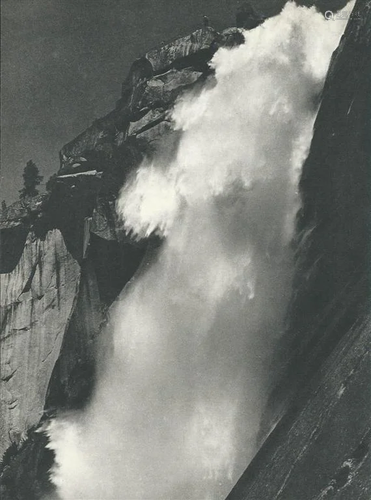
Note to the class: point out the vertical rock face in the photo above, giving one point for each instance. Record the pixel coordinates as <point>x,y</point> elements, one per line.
<point>37,299</point>
<point>321,447</point>
<point>72,379</point>
<point>333,283</point>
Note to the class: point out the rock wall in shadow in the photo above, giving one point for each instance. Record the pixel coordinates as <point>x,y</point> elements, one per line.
<point>320,411</point>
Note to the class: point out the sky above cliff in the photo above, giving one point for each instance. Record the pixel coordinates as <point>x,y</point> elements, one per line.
<point>63,62</point>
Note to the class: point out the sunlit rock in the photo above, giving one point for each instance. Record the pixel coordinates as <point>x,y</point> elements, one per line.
<point>37,298</point>
<point>163,57</point>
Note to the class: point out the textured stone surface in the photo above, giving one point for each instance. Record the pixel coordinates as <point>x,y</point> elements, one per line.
<point>155,133</point>
<point>163,57</point>
<point>73,377</point>
<point>320,448</point>
<point>36,302</point>
<point>20,211</point>
<point>97,136</point>
<point>154,80</point>
<point>105,221</point>
<point>153,117</point>
<point>165,88</point>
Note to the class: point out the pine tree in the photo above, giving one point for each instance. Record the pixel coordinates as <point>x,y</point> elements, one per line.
<point>31,179</point>
<point>3,206</point>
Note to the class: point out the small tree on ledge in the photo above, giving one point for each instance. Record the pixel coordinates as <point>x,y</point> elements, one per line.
<point>31,179</point>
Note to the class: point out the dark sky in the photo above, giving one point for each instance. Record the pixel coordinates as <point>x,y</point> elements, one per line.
<point>63,62</point>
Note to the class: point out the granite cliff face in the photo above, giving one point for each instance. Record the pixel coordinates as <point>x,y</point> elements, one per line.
<point>37,300</point>
<point>320,449</point>
<point>65,258</point>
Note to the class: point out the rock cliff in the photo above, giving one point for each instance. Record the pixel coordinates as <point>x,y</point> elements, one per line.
<point>320,449</point>
<point>37,300</point>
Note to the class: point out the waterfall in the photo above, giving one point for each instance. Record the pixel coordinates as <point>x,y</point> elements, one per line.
<point>177,408</point>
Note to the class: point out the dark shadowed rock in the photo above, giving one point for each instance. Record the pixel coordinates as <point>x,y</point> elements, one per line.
<point>12,241</point>
<point>231,37</point>
<point>25,469</point>
<point>155,133</point>
<point>248,17</point>
<point>73,376</point>
<point>334,226</point>
<point>320,447</point>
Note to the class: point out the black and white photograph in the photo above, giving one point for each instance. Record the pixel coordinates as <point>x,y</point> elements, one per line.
<point>185,250</point>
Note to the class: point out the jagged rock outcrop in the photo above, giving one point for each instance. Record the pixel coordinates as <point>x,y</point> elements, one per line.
<point>151,88</point>
<point>247,17</point>
<point>320,448</point>
<point>15,222</point>
<point>173,54</point>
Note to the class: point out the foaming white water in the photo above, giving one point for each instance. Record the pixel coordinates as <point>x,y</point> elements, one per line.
<point>176,413</point>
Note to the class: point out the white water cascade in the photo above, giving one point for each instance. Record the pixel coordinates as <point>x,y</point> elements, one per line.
<point>177,409</point>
